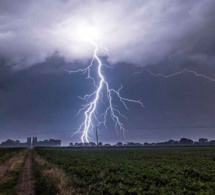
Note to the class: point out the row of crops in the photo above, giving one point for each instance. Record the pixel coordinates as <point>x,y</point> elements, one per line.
<point>137,171</point>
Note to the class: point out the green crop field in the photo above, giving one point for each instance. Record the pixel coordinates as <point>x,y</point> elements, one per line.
<point>176,170</point>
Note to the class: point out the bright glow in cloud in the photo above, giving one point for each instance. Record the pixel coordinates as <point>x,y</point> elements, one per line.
<point>136,31</point>
<point>87,33</point>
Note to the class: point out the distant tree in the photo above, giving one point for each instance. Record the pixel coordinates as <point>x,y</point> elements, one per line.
<point>55,142</point>
<point>186,141</point>
<point>71,144</point>
<point>107,145</point>
<point>171,142</point>
<point>50,142</point>
<point>203,140</point>
<point>119,144</point>
<point>100,144</point>
<point>189,141</point>
<point>212,142</point>
<point>78,144</point>
<point>92,144</point>
<point>137,144</point>
<point>196,143</point>
<point>130,143</point>
<point>86,144</point>
<point>10,143</point>
<point>183,140</point>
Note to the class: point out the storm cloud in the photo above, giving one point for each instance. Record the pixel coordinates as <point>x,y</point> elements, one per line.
<point>40,39</point>
<point>136,31</point>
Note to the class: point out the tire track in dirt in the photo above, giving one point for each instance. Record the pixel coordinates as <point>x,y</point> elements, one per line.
<point>27,182</point>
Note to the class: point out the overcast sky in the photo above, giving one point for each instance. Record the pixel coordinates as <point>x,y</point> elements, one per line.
<point>40,39</point>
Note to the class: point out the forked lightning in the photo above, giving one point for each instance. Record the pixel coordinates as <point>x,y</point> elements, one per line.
<point>176,74</point>
<point>90,113</point>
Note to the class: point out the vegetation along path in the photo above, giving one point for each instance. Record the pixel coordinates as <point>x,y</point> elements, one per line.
<point>9,173</point>
<point>8,165</point>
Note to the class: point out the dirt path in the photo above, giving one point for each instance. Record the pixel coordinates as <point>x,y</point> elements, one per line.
<point>26,185</point>
<point>9,165</point>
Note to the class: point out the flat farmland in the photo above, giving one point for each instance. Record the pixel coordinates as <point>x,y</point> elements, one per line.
<point>166,170</point>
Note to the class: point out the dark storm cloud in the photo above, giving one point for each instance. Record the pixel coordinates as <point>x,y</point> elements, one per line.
<point>43,101</point>
<point>40,39</point>
<point>138,31</point>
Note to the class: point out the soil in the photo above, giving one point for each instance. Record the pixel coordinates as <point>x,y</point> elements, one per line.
<point>27,182</point>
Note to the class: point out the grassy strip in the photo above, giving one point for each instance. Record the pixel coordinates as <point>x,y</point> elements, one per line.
<point>43,185</point>
<point>50,179</point>
<point>7,153</point>
<point>8,183</point>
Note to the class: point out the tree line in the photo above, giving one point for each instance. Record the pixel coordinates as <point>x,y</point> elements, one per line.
<point>31,143</point>
<point>57,143</point>
<point>181,142</point>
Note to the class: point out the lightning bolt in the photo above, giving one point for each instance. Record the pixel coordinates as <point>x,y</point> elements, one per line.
<point>176,74</point>
<point>90,113</point>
